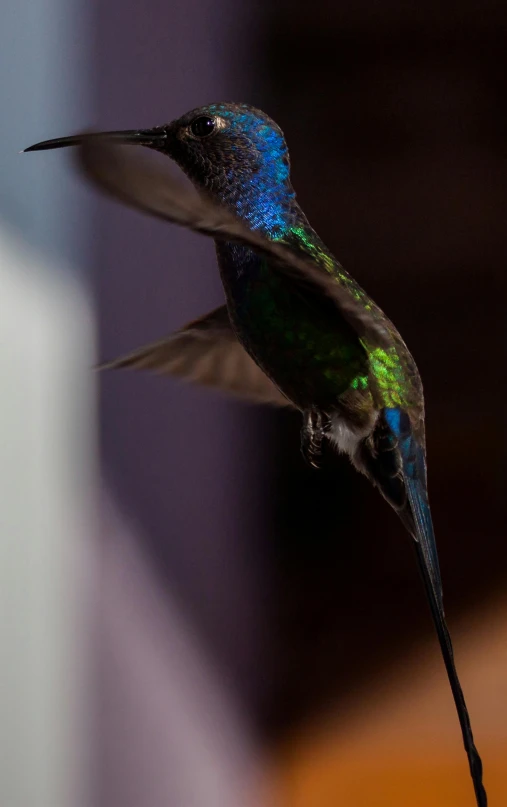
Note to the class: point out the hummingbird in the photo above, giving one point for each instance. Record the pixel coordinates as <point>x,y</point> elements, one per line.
<point>296,329</point>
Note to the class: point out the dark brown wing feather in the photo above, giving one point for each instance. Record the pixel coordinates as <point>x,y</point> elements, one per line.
<point>130,178</point>
<point>206,352</point>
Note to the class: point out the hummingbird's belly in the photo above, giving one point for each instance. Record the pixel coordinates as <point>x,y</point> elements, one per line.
<point>301,343</point>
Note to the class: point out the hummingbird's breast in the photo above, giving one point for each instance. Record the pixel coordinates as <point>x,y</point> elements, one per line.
<point>299,340</point>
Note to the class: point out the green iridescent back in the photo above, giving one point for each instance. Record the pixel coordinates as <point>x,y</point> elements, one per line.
<point>393,369</point>
<point>312,353</point>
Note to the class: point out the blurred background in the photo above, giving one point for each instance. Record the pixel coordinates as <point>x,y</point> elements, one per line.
<point>190,615</point>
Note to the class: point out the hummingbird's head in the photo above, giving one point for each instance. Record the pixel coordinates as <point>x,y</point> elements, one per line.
<point>233,151</point>
<point>226,146</point>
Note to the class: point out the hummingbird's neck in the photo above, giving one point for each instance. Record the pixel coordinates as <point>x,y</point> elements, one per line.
<point>264,198</point>
<point>273,210</point>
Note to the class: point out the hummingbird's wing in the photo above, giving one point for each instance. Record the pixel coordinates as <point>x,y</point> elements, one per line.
<point>133,180</point>
<point>206,351</point>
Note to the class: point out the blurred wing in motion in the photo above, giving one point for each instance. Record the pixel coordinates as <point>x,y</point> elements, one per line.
<point>207,352</point>
<point>130,178</point>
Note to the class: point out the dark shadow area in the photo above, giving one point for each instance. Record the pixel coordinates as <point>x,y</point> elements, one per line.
<point>396,128</point>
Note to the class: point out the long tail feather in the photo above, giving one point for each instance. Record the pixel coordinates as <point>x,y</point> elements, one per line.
<point>424,532</point>
<point>414,474</point>
<point>394,460</point>
<point>444,639</point>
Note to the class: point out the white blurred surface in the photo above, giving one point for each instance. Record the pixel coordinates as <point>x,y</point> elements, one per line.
<point>46,519</point>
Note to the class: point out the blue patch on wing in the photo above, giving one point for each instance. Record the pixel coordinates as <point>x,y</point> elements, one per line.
<point>393,417</point>
<point>399,423</point>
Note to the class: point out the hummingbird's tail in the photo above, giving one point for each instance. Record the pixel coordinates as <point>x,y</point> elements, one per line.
<point>395,462</point>
<point>425,545</point>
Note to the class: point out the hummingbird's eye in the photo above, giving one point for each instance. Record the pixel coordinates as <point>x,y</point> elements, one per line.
<point>202,126</point>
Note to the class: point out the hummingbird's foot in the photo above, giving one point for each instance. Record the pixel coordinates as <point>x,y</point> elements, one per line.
<point>314,429</point>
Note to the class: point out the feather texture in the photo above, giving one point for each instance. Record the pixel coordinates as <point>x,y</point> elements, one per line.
<point>207,352</point>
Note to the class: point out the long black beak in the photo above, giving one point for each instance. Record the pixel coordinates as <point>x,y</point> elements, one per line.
<point>143,137</point>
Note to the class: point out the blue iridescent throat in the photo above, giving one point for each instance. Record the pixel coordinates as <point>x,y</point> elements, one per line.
<point>263,195</point>
<point>267,206</point>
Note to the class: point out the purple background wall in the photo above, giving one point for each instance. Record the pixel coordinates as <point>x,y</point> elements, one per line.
<point>183,465</point>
